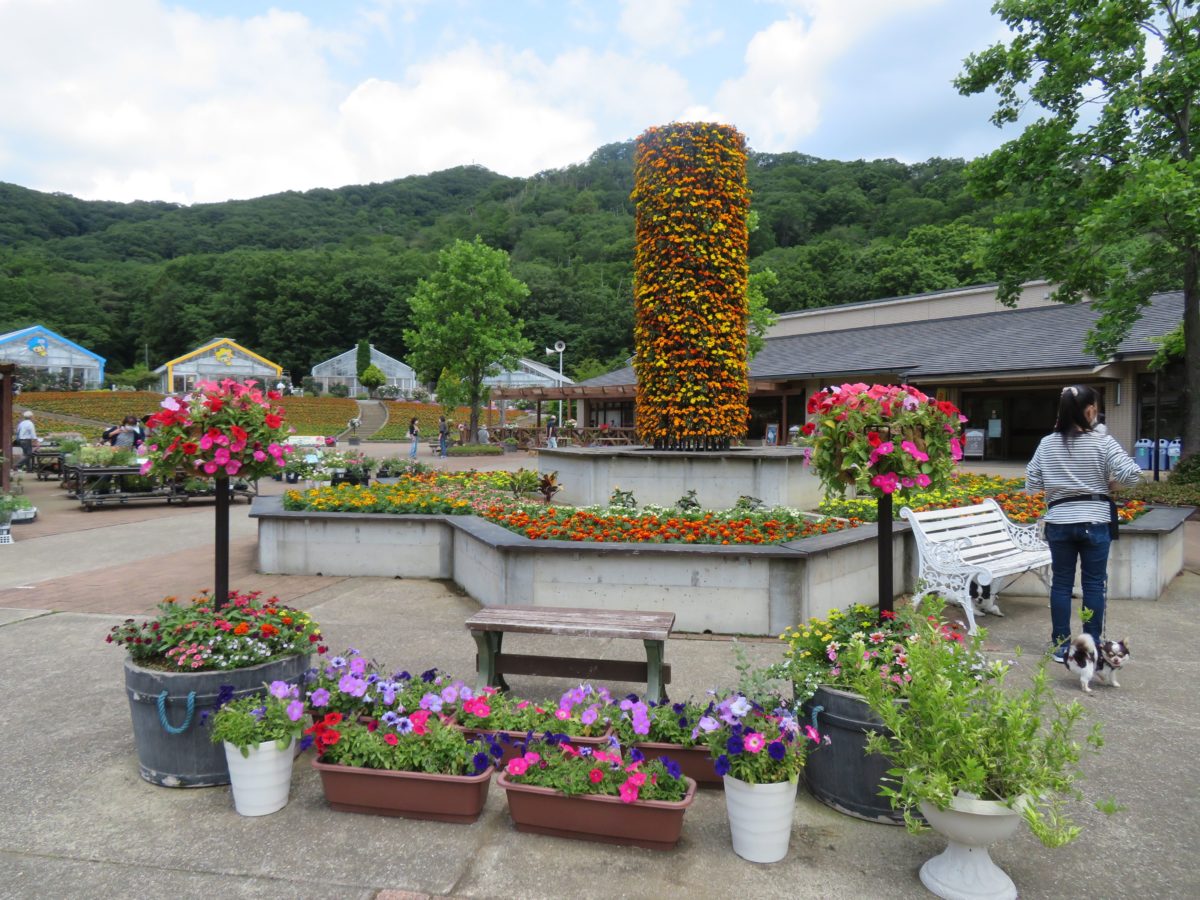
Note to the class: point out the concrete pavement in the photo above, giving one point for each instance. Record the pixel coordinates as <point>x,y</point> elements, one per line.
<point>80,823</point>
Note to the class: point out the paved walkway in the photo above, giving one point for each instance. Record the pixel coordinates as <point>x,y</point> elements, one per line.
<point>80,823</point>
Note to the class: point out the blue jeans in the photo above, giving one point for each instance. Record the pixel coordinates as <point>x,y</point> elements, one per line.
<point>442,446</point>
<point>1087,543</point>
<point>412,451</point>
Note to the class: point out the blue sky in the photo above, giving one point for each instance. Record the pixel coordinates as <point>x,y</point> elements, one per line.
<point>207,100</point>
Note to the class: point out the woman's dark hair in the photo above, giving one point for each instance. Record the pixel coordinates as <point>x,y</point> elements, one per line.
<point>1074,400</point>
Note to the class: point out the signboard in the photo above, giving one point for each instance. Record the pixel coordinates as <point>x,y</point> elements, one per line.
<point>993,428</point>
<point>973,442</point>
<point>772,436</point>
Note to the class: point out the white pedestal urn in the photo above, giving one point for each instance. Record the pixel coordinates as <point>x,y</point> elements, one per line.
<point>964,871</point>
<point>760,818</point>
<point>261,781</point>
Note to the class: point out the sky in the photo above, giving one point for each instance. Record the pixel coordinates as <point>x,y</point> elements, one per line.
<point>208,100</point>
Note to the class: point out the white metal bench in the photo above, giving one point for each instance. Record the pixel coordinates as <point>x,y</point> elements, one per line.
<point>974,545</point>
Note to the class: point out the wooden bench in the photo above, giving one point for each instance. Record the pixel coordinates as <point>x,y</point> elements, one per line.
<point>489,625</point>
<point>971,548</point>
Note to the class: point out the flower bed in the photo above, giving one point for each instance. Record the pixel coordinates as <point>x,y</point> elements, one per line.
<point>317,415</point>
<point>965,490</point>
<point>400,412</point>
<point>102,406</point>
<point>48,424</point>
<point>481,494</point>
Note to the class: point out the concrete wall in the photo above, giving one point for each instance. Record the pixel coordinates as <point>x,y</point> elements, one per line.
<point>730,590</point>
<point>588,476</point>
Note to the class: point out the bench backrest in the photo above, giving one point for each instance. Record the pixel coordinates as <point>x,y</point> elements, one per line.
<point>306,440</point>
<point>983,525</point>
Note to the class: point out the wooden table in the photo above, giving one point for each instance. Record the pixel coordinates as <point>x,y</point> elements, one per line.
<point>489,625</point>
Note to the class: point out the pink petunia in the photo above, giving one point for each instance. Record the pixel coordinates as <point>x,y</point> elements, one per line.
<point>629,792</point>
<point>754,742</point>
<point>516,766</point>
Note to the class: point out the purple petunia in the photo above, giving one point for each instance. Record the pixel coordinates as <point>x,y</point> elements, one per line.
<point>721,765</point>
<point>358,666</point>
<point>319,697</point>
<point>480,761</point>
<point>280,689</point>
<point>734,745</point>
<point>295,710</point>
<point>776,750</point>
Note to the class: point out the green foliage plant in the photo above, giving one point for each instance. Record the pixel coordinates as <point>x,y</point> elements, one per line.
<point>548,486</point>
<point>608,771</point>
<point>688,502</point>
<point>963,730</point>
<point>522,482</point>
<point>620,499</point>
<point>277,715</point>
<point>475,450</point>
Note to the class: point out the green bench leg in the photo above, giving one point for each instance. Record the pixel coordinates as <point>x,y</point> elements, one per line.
<point>488,644</point>
<point>654,663</point>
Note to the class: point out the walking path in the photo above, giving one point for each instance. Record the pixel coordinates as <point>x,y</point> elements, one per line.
<point>80,823</point>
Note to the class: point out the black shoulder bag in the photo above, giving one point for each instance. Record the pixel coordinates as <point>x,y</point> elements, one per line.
<point>1113,521</point>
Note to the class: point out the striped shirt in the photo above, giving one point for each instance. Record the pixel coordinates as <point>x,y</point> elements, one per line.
<point>1084,464</point>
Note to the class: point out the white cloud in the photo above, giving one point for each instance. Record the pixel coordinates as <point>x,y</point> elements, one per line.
<point>776,100</point>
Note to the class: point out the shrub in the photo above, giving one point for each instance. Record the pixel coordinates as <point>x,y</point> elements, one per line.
<point>1188,470</point>
<point>339,390</point>
<point>475,450</point>
<point>310,385</point>
<point>1164,493</point>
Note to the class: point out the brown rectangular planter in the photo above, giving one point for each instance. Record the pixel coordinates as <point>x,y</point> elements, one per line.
<point>412,795</point>
<point>652,824</point>
<point>695,762</point>
<point>514,745</point>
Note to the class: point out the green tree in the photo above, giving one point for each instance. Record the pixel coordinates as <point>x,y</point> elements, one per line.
<point>760,318</point>
<point>464,318</point>
<point>451,392</point>
<point>362,360</point>
<point>1108,178</point>
<point>372,378</point>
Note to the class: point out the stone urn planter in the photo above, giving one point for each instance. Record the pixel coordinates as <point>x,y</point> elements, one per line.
<point>964,870</point>
<point>695,762</point>
<point>169,710</point>
<point>842,775</point>
<point>652,824</point>
<point>411,795</point>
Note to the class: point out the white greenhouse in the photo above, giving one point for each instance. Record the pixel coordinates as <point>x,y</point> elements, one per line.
<point>52,358</point>
<point>528,374</point>
<point>215,361</point>
<point>343,369</point>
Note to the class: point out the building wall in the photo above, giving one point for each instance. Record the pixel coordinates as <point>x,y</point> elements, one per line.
<point>967,302</point>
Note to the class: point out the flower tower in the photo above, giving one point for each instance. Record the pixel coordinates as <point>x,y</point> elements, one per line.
<point>690,275</point>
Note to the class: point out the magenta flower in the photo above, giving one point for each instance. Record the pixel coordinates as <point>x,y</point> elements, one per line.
<point>629,792</point>
<point>754,742</point>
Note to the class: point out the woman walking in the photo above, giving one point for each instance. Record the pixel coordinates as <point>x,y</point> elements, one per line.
<point>1076,466</point>
<point>414,434</point>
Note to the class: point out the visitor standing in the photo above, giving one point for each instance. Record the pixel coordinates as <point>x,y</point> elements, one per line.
<point>27,438</point>
<point>414,434</point>
<point>552,433</point>
<point>443,436</point>
<point>1077,466</point>
<point>128,434</point>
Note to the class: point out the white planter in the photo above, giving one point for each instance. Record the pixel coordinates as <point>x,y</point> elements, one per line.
<point>760,818</point>
<point>261,781</point>
<point>964,871</point>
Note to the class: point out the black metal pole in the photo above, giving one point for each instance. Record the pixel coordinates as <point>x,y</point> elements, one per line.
<point>221,585</point>
<point>884,510</point>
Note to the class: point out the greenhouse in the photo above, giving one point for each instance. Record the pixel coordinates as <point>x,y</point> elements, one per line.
<point>51,360</point>
<point>343,369</point>
<point>527,373</point>
<point>215,361</point>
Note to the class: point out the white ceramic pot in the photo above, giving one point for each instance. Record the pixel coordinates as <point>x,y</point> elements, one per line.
<point>760,818</point>
<point>261,781</point>
<point>964,871</point>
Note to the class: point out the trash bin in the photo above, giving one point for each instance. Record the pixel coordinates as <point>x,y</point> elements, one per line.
<point>1163,460</point>
<point>973,443</point>
<point>1174,451</point>
<point>1142,451</point>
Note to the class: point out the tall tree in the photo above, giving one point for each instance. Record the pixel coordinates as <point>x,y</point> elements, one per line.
<point>464,318</point>
<point>362,358</point>
<point>1108,173</point>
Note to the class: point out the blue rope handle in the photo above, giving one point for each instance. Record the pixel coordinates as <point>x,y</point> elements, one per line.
<point>162,713</point>
<point>815,711</point>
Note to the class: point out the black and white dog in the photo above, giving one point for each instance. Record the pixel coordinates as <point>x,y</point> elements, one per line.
<point>1088,661</point>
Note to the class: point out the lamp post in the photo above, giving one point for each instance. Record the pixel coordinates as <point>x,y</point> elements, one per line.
<point>558,348</point>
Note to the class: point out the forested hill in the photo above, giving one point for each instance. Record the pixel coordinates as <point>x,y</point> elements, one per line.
<point>300,276</point>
